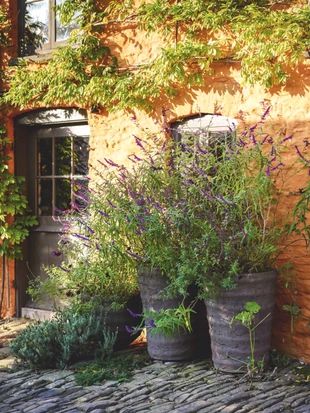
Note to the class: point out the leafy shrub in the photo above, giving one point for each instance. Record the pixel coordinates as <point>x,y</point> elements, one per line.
<point>72,335</point>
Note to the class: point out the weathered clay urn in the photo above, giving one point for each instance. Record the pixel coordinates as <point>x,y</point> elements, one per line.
<point>230,342</point>
<point>181,344</point>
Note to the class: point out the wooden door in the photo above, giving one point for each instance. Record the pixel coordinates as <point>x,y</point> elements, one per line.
<point>54,161</point>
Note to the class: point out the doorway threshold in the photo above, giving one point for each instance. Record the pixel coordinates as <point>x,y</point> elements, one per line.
<point>37,314</point>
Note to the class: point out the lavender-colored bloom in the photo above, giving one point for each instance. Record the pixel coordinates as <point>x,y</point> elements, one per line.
<point>277,166</point>
<point>111,204</point>
<point>90,230</point>
<point>288,138</point>
<point>252,128</point>
<point>201,150</point>
<point>56,253</point>
<point>83,237</point>
<point>151,324</point>
<point>266,113</point>
<point>111,163</point>
<point>139,142</point>
<point>265,139</point>
<point>301,155</point>
<point>133,314</point>
<point>268,171</point>
<point>252,137</point>
<point>130,330</point>
<point>104,214</point>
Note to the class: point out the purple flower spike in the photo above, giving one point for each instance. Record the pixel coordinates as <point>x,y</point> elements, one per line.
<point>288,138</point>
<point>266,113</point>
<point>139,142</point>
<point>81,237</point>
<point>129,330</point>
<point>56,253</point>
<point>133,314</point>
<point>151,324</point>
<point>277,166</point>
<point>268,171</point>
<point>301,155</point>
<point>111,163</point>
<point>104,214</point>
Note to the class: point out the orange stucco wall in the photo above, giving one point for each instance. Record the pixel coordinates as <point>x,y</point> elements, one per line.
<point>223,92</point>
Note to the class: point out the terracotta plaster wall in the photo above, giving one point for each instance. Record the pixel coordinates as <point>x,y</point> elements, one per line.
<point>112,136</point>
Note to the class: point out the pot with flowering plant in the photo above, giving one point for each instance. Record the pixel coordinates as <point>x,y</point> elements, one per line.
<point>233,197</point>
<point>143,210</point>
<point>93,274</point>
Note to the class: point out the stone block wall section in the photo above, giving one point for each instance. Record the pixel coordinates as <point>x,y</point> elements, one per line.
<point>112,137</point>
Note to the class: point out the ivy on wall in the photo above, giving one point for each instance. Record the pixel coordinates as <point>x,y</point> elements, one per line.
<point>268,38</point>
<point>14,221</point>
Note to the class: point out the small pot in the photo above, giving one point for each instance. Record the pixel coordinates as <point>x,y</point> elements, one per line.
<point>178,346</point>
<point>230,342</point>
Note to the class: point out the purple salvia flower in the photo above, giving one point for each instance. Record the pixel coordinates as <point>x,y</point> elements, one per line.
<point>268,170</point>
<point>273,151</point>
<point>201,150</point>
<point>270,140</point>
<point>129,330</point>
<point>252,128</point>
<point>139,143</point>
<point>266,113</point>
<point>133,314</point>
<point>301,155</point>
<point>252,137</point>
<point>277,166</point>
<point>151,324</point>
<point>265,139</point>
<point>83,237</point>
<point>288,138</point>
<point>111,204</point>
<point>56,253</point>
<point>90,230</point>
<point>111,163</point>
<point>104,214</point>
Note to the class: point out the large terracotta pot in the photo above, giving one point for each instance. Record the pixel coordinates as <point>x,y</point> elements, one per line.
<point>230,342</point>
<point>178,346</point>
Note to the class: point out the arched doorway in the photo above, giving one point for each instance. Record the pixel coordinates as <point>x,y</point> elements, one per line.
<point>51,152</point>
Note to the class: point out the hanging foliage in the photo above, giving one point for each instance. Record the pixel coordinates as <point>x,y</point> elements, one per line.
<point>269,39</point>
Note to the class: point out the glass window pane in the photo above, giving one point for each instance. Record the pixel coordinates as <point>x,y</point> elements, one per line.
<point>45,196</point>
<point>80,156</point>
<point>36,25</point>
<point>63,152</point>
<point>63,195</point>
<point>80,192</point>
<point>63,32</point>
<point>45,157</point>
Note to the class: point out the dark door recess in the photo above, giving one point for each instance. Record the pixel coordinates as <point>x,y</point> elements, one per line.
<point>51,151</point>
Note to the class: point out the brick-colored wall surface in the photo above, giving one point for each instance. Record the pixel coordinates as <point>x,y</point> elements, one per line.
<point>112,137</point>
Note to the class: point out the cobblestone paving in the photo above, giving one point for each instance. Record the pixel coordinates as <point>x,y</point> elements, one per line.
<point>157,388</point>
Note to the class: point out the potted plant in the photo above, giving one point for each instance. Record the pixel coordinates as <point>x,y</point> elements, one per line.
<point>92,274</point>
<point>142,206</point>
<point>233,199</point>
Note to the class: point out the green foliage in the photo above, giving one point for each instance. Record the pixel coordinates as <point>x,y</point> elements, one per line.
<point>169,321</point>
<point>72,335</point>
<point>247,318</point>
<point>119,367</point>
<point>14,219</point>
<point>267,41</point>
<point>4,26</point>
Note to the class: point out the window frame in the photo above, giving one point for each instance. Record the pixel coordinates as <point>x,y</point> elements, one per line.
<point>52,43</point>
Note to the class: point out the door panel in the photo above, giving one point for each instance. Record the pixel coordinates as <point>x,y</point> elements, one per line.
<point>54,161</point>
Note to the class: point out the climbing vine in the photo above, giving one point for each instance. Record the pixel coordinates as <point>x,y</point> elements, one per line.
<point>14,221</point>
<point>268,38</point>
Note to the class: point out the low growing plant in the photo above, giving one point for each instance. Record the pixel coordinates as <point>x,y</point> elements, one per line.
<point>72,335</point>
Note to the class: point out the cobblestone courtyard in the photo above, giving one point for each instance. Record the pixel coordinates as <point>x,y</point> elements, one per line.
<point>157,388</point>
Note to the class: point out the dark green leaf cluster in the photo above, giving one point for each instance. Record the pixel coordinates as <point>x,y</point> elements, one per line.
<point>15,220</point>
